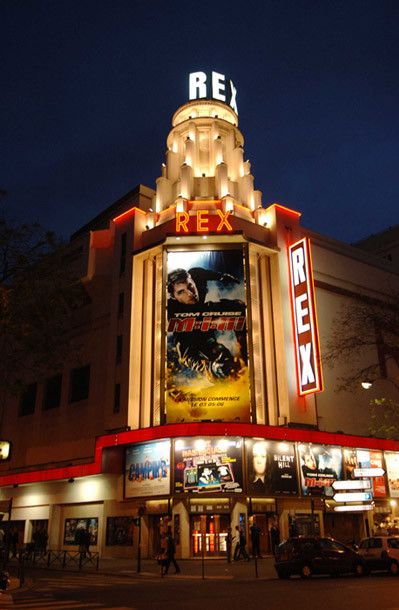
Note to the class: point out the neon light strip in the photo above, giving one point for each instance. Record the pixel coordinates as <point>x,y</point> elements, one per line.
<point>208,429</point>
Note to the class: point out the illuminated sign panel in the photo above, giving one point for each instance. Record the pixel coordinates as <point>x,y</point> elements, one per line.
<point>307,349</point>
<point>215,86</point>
<point>206,368</point>
<point>5,448</point>
<point>201,221</point>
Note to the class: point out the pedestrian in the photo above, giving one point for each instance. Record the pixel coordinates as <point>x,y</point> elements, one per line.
<point>170,553</point>
<point>274,537</point>
<point>161,556</point>
<point>14,542</point>
<point>79,539</point>
<point>229,543</point>
<point>86,542</point>
<point>255,539</point>
<point>240,546</point>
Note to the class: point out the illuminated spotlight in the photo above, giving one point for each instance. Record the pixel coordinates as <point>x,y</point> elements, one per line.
<point>223,444</point>
<point>367,384</point>
<point>200,444</point>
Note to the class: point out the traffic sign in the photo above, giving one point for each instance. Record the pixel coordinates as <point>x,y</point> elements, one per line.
<point>368,472</point>
<point>355,496</point>
<point>348,508</point>
<point>352,484</point>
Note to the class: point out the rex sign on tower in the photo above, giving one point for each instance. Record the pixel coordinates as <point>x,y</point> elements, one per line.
<point>307,351</point>
<point>213,86</point>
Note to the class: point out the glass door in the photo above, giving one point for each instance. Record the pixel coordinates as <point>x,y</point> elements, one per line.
<point>214,528</point>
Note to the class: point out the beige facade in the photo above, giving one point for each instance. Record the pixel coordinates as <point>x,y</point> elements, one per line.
<point>121,258</point>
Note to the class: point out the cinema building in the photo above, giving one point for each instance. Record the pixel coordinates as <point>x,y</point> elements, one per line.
<point>201,399</point>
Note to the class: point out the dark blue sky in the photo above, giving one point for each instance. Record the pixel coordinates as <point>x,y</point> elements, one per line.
<point>88,89</point>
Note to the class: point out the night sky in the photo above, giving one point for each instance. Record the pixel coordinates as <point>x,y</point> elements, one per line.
<point>88,89</point>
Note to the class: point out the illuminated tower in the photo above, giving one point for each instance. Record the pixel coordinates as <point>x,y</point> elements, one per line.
<point>205,157</point>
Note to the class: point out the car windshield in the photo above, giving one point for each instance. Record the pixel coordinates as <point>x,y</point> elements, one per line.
<point>393,543</point>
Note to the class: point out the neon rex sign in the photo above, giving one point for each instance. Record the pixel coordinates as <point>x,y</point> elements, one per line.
<point>215,86</point>
<point>307,350</point>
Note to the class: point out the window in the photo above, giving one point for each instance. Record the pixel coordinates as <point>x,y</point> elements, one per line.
<point>52,392</point>
<point>119,347</point>
<point>28,400</point>
<point>117,398</point>
<point>79,384</point>
<point>123,253</point>
<point>331,545</point>
<point>121,304</point>
<point>375,543</point>
<point>393,543</point>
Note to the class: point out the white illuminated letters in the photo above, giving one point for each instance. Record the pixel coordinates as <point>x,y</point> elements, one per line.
<point>233,102</point>
<point>305,323</point>
<point>215,86</point>
<point>197,85</point>
<point>218,87</point>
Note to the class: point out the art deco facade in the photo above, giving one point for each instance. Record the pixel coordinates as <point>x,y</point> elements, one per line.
<point>200,398</point>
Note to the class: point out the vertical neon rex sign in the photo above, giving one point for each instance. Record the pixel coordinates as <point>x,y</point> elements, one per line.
<point>307,348</point>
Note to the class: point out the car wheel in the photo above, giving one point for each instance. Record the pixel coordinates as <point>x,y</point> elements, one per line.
<point>394,568</point>
<point>306,570</point>
<point>359,569</point>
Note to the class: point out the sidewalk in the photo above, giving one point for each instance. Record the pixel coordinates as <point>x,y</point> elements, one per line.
<point>192,568</point>
<point>210,569</point>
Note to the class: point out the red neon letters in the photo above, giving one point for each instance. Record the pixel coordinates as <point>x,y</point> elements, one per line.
<point>307,351</point>
<point>203,222</point>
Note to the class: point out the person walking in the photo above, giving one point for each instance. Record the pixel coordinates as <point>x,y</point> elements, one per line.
<point>255,539</point>
<point>229,543</point>
<point>170,553</point>
<point>86,542</point>
<point>274,537</point>
<point>240,546</point>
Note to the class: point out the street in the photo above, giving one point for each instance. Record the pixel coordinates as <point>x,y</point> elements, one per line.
<point>75,591</point>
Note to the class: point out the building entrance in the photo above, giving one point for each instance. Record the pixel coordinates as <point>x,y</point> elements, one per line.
<point>213,530</point>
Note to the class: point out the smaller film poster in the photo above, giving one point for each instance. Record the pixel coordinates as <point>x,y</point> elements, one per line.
<point>364,458</point>
<point>147,469</point>
<point>119,531</point>
<point>271,468</point>
<point>208,465</point>
<point>392,464</point>
<point>74,526</point>
<point>320,466</point>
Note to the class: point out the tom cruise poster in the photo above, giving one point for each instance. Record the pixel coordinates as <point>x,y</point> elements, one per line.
<point>320,466</point>
<point>207,374</point>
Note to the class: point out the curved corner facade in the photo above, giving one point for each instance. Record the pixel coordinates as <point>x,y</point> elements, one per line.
<point>200,400</point>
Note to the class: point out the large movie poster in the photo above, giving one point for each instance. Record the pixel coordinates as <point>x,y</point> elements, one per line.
<point>208,465</point>
<point>271,468</point>
<point>365,458</point>
<point>392,464</point>
<point>206,357</point>
<point>320,466</point>
<point>148,469</point>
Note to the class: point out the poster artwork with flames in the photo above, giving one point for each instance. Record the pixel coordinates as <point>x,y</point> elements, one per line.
<point>207,374</point>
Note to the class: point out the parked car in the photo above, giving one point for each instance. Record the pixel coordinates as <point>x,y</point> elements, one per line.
<point>381,553</point>
<point>309,555</point>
